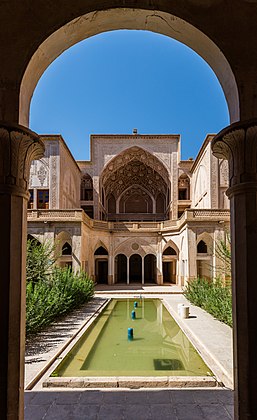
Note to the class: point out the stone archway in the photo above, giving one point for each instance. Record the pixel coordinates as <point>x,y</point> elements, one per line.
<point>100,21</point>
<point>230,144</point>
<point>132,183</point>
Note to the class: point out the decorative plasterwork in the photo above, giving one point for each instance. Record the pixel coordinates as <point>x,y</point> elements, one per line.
<point>86,181</point>
<point>18,147</point>
<point>183,181</point>
<point>238,144</point>
<point>135,166</point>
<point>131,154</point>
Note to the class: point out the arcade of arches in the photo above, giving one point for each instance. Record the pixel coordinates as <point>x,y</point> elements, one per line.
<point>32,35</point>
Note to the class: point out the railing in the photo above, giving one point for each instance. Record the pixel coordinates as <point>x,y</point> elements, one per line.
<point>216,213</point>
<point>54,214</point>
<point>80,216</point>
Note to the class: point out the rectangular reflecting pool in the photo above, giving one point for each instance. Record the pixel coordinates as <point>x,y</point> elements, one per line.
<point>158,347</point>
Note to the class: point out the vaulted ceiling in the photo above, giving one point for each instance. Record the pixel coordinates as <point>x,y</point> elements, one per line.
<point>135,167</point>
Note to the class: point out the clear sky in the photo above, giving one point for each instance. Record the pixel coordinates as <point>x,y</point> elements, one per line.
<point>120,80</point>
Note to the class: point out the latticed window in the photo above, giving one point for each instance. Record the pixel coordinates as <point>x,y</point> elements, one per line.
<point>86,190</point>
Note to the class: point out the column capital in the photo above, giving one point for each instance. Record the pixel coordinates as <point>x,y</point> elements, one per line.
<point>18,147</point>
<point>237,143</point>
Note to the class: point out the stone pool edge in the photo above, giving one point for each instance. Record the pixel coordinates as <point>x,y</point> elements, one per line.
<point>132,382</point>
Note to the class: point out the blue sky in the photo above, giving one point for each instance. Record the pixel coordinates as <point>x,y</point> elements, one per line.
<point>120,80</point>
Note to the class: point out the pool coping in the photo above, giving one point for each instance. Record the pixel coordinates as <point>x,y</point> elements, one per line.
<point>132,382</point>
<point>65,348</point>
<point>209,358</point>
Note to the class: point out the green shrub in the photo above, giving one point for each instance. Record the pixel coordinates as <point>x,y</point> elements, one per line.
<point>212,297</point>
<point>40,260</point>
<point>55,295</point>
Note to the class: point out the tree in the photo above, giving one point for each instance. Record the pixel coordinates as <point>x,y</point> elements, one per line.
<point>40,260</point>
<point>223,251</point>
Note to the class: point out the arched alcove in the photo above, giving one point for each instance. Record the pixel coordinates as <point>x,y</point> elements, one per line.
<point>135,181</point>
<point>66,249</point>
<point>121,268</point>
<point>169,251</point>
<point>202,247</point>
<point>101,251</point>
<point>135,268</point>
<point>150,268</point>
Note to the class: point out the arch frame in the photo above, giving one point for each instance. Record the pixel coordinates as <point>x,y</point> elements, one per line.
<point>99,21</point>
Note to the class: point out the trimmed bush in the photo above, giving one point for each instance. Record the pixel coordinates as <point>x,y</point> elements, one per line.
<point>213,297</point>
<point>55,295</point>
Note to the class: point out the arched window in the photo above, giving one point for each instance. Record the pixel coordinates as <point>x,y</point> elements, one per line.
<point>101,251</point>
<point>111,204</point>
<point>66,249</point>
<point>184,187</point>
<point>160,203</point>
<point>86,191</point>
<point>201,248</point>
<point>169,251</point>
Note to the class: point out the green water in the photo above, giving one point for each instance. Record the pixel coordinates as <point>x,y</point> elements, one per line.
<point>159,347</point>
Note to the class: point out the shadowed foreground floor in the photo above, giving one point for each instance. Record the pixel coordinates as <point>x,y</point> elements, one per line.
<point>207,404</point>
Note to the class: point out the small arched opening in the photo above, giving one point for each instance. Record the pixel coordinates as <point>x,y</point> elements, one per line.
<point>135,268</point>
<point>203,261</point>
<point>169,265</point>
<point>101,265</point>
<point>66,249</point>
<point>150,268</point>
<point>121,268</point>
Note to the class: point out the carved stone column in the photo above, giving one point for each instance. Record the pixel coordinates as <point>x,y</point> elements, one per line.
<point>238,144</point>
<point>18,147</point>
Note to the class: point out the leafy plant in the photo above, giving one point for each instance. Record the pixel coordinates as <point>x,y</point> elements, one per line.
<point>40,260</point>
<point>214,297</point>
<point>51,291</point>
<point>61,292</point>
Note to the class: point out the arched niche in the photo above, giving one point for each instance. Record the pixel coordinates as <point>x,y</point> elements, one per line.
<point>120,268</point>
<point>101,251</point>
<point>111,204</point>
<point>184,187</point>
<point>150,269</point>
<point>160,203</point>
<point>66,249</point>
<point>169,251</point>
<point>136,200</point>
<point>86,188</point>
<point>202,247</point>
<point>93,22</point>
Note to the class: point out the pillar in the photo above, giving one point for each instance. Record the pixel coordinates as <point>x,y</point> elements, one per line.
<point>127,270</point>
<point>110,270</point>
<point>159,261</point>
<point>192,251</point>
<point>143,270</point>
<point>238,144</point>
<point>18,147</point>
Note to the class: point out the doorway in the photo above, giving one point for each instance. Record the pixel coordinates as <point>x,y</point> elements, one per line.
<point>150,268</point>
<point>135,269</point>
<point>121,268</point>
<point>101,271</point>
<point>169,271</point>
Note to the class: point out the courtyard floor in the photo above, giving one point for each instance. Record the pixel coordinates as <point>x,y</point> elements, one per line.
<point>212,339</point>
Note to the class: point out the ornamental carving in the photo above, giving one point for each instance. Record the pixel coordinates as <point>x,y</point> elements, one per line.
<point>238,145</point>
<point>42,173</point>
<point>18,147</point>
<point>134,153</point>
<point>135,167</point>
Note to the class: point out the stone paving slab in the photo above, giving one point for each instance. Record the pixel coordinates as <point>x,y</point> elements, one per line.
<point>213,404</point>
<point>212,338</point>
